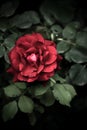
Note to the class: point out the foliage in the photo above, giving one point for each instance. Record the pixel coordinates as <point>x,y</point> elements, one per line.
<point>59,25</point>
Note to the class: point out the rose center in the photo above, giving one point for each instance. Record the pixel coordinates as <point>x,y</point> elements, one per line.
<point>32,57</point>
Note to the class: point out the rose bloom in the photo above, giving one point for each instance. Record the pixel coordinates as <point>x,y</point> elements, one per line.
<point>33,58</point>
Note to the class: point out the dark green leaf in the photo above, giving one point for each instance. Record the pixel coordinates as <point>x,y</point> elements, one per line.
<point>25,20</point>
<point>9,42</point>
<point>54,11</point>
<point>81,39</point>
<point>20,85</point>
<point>2,51</point>
<point>56,77</point>
<point>6,57</point>
<point>4,24</point>
<point>1,38</point>
<point>47,99</point>
<point>75,24</point>
<point>12,91</point>
<point>64,93</point>
<point>56,29</point>
<point>39,90</point>
<point>9,110</point>
<point>67,56</point>
<point>63,46</point>
<point>69,32</point>
<point>8,8</point>
<point>26,104</point>
<point>78,54</point>
<point>47,15</point>
<point>78,74</point>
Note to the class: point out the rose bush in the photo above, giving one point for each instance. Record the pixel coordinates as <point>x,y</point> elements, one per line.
<point>29,55</point>
<point>33,58</point>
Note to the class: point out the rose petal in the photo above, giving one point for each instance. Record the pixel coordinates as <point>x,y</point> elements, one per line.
<point>20,51</point>
<point>45,76</point>
<point>29,40</point>
<point>52,50</point>
<point>15,79</point>
<point>50,59</point>
<point>21,77</point>
<point>26,78</point>
<point>39,37</point>
<point>21,66</point>
<point>49,43</point>
<point>59,58</point>
<point>23,43</point>
<point>10,70</point>
<point>50,68</point>
<point>29,71</point>
<point>40,68</point>
<point>31,50</point>
<point>46,54</point>
<point>14,58</point>
<point>32,79</point>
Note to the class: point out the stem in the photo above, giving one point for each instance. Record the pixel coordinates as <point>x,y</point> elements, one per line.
<point>69,42</point>
<point>53,80</point>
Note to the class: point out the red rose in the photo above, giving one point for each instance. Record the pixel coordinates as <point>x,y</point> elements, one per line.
<point>33,58</point>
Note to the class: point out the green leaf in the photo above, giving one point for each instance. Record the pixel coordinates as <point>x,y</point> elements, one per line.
<point>6,57</point>
<point>78,54</point>
<point>47,99</point>
<point>69,32</point>
<point>2,51</point>
<point>8,8</point>
<point>26,104</point>
<point>59,78</point>
<point>9,110</point>
<point>75,24</point>
<point>20,85</point>
<point>63,46</point>
<point>70,88</point>
<point>78,74</point>
<point>39,90</point>
<point>47,14</point>
<point>9,42</point>
<point>4,24</point>
<point>68,56</point>
<point>64,93</point>
<point>12,91</point>
<point>81,39</point>
<point>25,20</point>
<point>1,38</point>
<point>54,11</point>
<point>56,29</point>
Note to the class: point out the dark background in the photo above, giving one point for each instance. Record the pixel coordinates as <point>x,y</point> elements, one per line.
<point>57,117</point>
